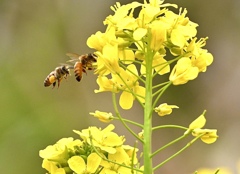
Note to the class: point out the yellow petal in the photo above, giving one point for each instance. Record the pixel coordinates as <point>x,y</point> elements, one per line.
<point>49,165</point>
<point>112,139</point>
<point>210,136</point>
<point>198,123</point>
<point>127,56</point>
<point>139,33</point>
<point>126,100</point>
<point>77,164</point>
<point>177,38</point>
<point>161,65</point>
<point>140,91</point>
<point>93,162</point>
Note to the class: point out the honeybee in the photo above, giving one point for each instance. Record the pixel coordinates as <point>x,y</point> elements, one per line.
<point>57,75</point>
<point>82,63</point>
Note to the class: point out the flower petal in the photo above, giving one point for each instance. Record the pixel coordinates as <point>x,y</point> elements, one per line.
<point>198,123</point>
<point>126,100</point>
<point>77,164</point>
<point>93,162</point>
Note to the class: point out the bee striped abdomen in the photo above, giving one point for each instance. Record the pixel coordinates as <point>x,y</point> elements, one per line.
<point>50,79</point>
<point>78,69</point>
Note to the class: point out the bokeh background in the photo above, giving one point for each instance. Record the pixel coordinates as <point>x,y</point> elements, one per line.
<point>36,35</point>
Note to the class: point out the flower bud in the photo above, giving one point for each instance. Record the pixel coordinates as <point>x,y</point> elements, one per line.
<point>164,109</point>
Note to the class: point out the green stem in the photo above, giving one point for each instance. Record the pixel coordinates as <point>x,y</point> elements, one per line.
<point>169,126</point>
<point>120,118</point>
<point>129,121</point>
<point>147,148</point>
<point>167,145</point>
<point>160,94</point>
<point>177,153</point>
<point>161,84</point>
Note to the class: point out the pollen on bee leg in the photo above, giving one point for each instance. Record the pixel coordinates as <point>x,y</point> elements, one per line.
<point>52,79</point>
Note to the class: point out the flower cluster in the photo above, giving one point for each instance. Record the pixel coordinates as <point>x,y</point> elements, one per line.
<point>99,151</point>
<point>144,39</point>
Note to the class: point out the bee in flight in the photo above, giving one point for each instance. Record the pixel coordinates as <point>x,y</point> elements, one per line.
<point>82,63</point>
<point>57,75</point>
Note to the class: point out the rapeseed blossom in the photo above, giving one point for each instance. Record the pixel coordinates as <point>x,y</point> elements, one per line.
<point>140,39</point>
<point>164,109</point>
<point>208,136</point>
<point>97,150</point>
<point>102,116</point>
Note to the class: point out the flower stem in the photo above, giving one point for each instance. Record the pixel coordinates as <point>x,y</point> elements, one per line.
<point>121,119</point>
<point>178,152</point>
<point>169,144</point>
<point>129,121</point>
<point>147,148</point>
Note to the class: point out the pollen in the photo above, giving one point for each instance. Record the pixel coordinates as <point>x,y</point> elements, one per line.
<point>52,79</point>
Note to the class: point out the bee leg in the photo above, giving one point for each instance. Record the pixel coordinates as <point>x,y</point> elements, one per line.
<point>84,70</point>
<point>54,84</point>
<point>65,77</point>
<point>59,81</point>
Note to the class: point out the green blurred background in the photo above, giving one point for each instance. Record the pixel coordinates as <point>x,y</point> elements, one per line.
<point>34,37</point>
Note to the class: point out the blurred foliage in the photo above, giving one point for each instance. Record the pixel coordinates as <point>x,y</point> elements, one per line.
<point>36,35</point>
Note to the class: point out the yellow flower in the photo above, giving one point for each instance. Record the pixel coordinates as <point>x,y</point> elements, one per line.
<point>104,139</point>
<point>164,109</point>
<point>183,71</point>
<point>208,135</point>
<point>59,151</point>
<point>202,61</point>
<point>99,40</point>
<point>103,116</point>
<point>201,58</point>
<point>51,167</point>
<point>183,29</point>
<point>106,84</point>
<point>120,157</point>
<point>128,82</point>
<point>108,60</point>
<point>57,155</point>
<point>77,164</point>
<point>150,11</point>
<point>122,19</point>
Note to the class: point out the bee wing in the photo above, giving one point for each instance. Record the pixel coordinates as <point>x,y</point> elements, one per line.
<point>73,55</point>
<point>67,65</point>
